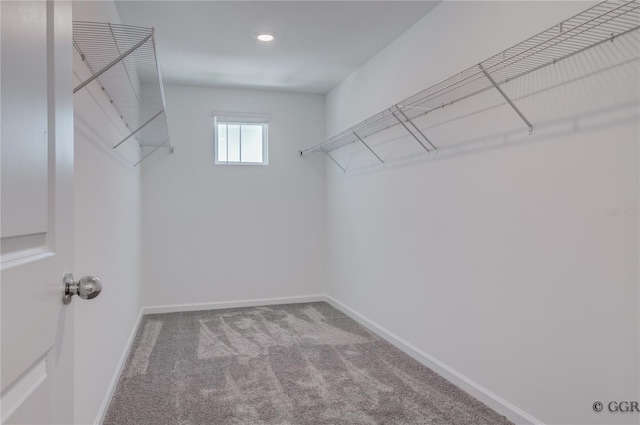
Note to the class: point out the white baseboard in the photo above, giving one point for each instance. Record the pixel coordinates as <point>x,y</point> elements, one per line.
<point>495,402</point>
<point>116,375</point>
<point>155,309</point>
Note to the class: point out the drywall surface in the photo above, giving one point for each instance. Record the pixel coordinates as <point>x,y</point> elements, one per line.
<point>107,234</point>
<point>216,233</point>
<point>516,263</point>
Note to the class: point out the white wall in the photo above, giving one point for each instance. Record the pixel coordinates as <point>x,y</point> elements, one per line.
<point>215,233</point>
<point>107,235</point>
<point>503,263</point>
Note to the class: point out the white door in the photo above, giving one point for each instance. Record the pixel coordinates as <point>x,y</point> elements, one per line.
<point>36,208</point>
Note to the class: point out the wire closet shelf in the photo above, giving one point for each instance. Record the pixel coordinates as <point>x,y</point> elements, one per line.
<point>123,62</point>
<point>597,25</point>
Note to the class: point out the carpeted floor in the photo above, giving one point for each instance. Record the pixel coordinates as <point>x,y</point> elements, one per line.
<point>295,364</point>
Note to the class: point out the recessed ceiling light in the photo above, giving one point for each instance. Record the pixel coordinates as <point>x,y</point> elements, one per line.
<point>265,37</point>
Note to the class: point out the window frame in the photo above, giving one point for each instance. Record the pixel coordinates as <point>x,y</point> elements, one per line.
<point>240,120</point>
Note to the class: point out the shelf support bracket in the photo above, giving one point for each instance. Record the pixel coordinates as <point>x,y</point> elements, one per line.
<point>410,132</point>
<point>367,146</point>
<point>344,170</point>
<point>112,63</point>
<point>138,129</point>
<point>151,153</point>
<point>418,130</point>
<point>513,105</point>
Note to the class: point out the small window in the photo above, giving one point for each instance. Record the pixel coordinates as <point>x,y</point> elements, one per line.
<point>241,140</point>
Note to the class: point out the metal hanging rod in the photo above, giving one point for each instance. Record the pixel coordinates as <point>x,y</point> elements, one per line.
<point>595,26</point>
<point>125,58</point>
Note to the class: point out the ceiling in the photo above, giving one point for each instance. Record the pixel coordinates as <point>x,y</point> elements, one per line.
<point>318,43</point>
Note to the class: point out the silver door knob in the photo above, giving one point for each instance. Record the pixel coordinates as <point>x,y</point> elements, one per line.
<point>86,288</point>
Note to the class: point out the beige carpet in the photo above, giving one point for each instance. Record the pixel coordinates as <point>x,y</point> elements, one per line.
<point>295,364</point>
